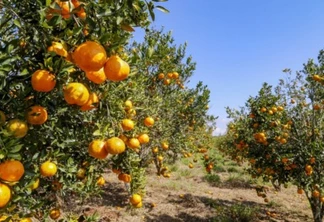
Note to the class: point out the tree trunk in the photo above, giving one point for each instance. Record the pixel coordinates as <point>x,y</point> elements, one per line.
<point>317,209</point>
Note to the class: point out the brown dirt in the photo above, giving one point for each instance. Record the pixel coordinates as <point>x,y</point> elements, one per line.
<point>189,198</point>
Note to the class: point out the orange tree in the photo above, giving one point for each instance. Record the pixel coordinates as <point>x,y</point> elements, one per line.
<point>280,133</point>
<point>76,98</point>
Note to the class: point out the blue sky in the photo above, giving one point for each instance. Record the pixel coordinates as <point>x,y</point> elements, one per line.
<point>238,45</point>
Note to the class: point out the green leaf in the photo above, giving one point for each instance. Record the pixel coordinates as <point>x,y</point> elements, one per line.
<point>161,8</point>
<point>48,2</point>
<point>16,148</point>
<point>17,23</point>
<point>127,27</point>
<point>96,133</point>
<point>159,0</point>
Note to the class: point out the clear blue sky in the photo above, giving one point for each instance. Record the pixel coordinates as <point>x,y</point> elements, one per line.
<point>238,44</point>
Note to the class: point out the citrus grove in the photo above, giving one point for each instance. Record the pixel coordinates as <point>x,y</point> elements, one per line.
<point>79,99</point>
<point>280,133</point>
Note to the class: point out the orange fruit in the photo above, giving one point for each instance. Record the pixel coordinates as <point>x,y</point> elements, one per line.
<point>76,93</point>
<point>166,82</point>
<point>17,128</point>
<point>48,169</point>
<point>133,143</point>
<point>139,205</point>
<point>300,191</point>
<point>175,75</point>
<point>101,181</point>
<point>97,77</point>
<point>59,48</point>
<point>55,214</point>
<point>81,173</point>
<point>155,150</point>
<point>135,199</point>
<point>143,138</point>
<point>149,121</point>
<point>11,170</point>
<point>43,81</point>
<point>2,118</point>
<point>115,145</point>
<point>65,8</point>
<point>81,13</point>
<point>34,185</point>
<point>125,177</point>
<point>116,171</point>
<point>116,69</point>
<point>316,193</point>
<point>90,56</point>
<point>161,76</point>
<point>36,115</point>
<point>169,75</point>
<point>92,102</point>
<point>123,138</point>
<point>165,145</point>
<point>127,124</point>
<point>97,149</point>
<point>26,220</point>
<point>128,105</point>
<point>160,158</point>
<point>5,195</point>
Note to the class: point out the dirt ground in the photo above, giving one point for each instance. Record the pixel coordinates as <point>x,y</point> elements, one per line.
<point>190,198</point>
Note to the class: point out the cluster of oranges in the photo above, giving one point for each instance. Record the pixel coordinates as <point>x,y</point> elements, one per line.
<point>65,9</point>
<point>167,79</point>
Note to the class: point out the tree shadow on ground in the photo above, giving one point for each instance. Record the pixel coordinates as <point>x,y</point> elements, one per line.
<point>224,211</point>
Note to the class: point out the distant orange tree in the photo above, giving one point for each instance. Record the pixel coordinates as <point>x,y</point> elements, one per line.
<point>280,133</point>
<point>77,98</point>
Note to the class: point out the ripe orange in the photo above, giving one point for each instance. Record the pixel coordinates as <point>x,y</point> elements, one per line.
<point>155,149</point>
<point>127,124</point>
<point>76,93</point>
<point>175,75</point>
<point>115,145</point>
<point>97,77</point>
<point>2,118</point>
<point>316,193</point>
<point>123,138</point>
<point>97,149</point>
<point>90,56</point>
<point>128,105</point>
<point>160,158</point>
<point>169,75</point>
<point>26,220</point>
<point>92,102</point>
<point>125,177</point>
<point>300,191</point>
<point>133,143</point>
<point>48,169</point>
<point>34,185</point>
<point>65,8</point>
<point>55,214</point>
<point>101,181</point>
<point>43,81</point>
<point>165,145</point>
<point>135,199</point>
<point>143,138</point>
<point>161,76</point>
<point>17,128</point>
<point>167,82</point>
<point>5,195</point>
<point>81,13</point>
<point>149,121</point>
<point>116,69</point>
<point>11,170</point>
<point>36,115</point>
<point>59,48</point>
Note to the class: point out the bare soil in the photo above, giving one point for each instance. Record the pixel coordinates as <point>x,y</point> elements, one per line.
<point>186,196</point>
